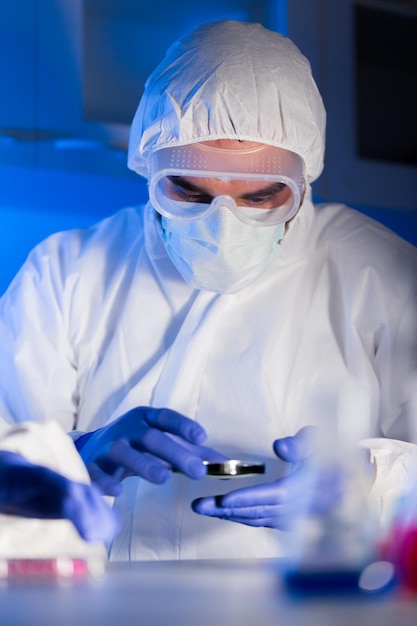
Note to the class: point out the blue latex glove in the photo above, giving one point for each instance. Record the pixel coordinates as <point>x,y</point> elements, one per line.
<point>144,442</point>
<point>29,490</point>
<point>277,504</point>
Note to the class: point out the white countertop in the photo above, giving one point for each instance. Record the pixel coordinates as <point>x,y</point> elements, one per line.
<point>204,593</point>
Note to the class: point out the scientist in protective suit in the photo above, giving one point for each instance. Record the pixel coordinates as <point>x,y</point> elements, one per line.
<point>229,311</point>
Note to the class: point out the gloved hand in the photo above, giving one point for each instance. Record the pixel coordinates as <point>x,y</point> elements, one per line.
<point>144,442</point>
<point>277,504</point>
<point>29,490</point>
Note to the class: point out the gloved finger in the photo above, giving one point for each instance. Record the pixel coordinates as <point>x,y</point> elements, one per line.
<point>137,463</point>
<point>212,456</point>
<point>134,427</point>
<point>109,484</point>
<point>284,490</point>
<point>278,523</point>
<point>164,447</point>
<point>258,512</point>
<point>265,522</point>
<point>297,447</point>
<point>309,491</point>
<point>280,515</point>
<point>85,507</point>
<point>203,452</point>
<point>275,493</point>
<point>273,516</point>
<point>177,424</point>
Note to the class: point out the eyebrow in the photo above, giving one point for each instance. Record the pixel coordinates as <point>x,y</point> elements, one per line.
<point>266,191</point>
<point>185,184</point>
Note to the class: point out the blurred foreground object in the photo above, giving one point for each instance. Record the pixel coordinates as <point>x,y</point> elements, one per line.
<point>400,545</point>
<point>51,518</point>
<point>334,548</point>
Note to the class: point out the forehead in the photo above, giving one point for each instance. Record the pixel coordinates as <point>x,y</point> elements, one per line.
<point>232,144</point>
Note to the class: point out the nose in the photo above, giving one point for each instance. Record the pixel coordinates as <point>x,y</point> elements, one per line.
<point>223,202</point>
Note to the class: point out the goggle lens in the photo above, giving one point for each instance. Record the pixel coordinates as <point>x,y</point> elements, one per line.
<point>255,201</point>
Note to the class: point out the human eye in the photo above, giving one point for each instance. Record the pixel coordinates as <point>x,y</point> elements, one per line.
<point>260,199</point>
<point>187,195</point>
<point>269,198</point>
<point>182,190</point>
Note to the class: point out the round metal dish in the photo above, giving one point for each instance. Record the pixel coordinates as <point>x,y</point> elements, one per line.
<point>234,467</point>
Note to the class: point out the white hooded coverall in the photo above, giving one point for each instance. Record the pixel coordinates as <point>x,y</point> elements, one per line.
<point>99,321</point>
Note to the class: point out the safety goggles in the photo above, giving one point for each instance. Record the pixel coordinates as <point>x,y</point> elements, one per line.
<point>261,185</point>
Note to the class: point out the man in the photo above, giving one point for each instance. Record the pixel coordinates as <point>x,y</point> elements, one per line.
<point>229,305</point>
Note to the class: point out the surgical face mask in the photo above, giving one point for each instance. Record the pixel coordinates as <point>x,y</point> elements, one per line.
<point>220,252</point>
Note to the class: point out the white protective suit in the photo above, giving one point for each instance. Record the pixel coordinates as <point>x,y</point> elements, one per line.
<point>99,321</point>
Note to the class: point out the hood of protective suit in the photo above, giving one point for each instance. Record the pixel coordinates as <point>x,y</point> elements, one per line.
<point>231,80</point>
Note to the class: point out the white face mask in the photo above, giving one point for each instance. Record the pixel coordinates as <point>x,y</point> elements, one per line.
<point>220,253</point>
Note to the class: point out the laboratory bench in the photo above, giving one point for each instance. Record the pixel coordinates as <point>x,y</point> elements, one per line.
<point>185,593</point>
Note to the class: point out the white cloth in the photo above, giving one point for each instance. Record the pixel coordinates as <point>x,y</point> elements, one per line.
<point>99,321</point>
<point>48,445</point>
